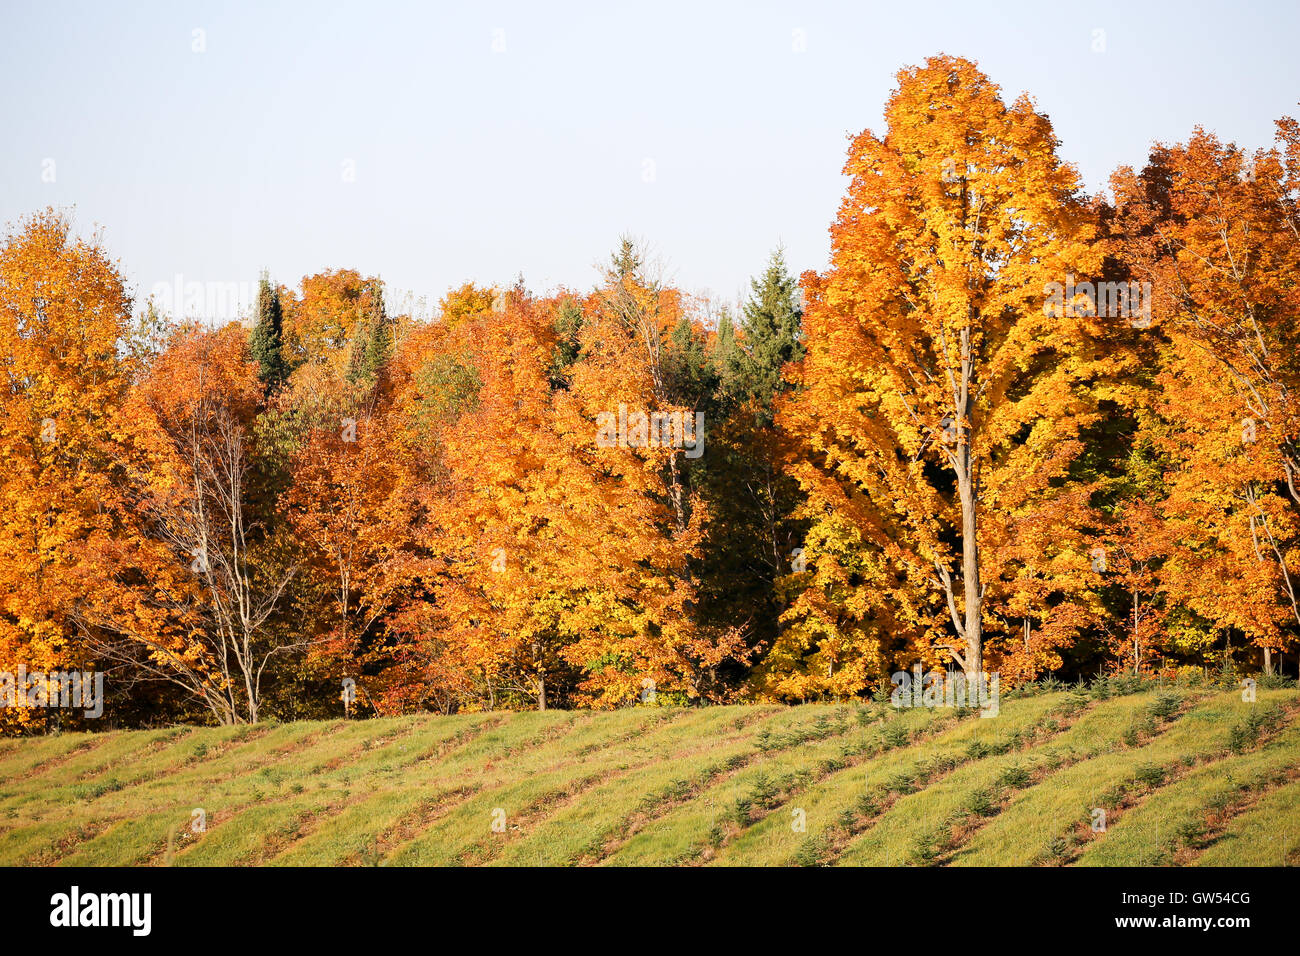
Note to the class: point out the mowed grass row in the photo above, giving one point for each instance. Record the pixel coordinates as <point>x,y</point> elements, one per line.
<point>1183,777</point>
<point>1047,824</point>
<point>136,819</point>
<point>1189,812</point>
<point>846,802</point>
<point>1268,834</point>
<point>921,827</point>
<point>248,828</point>
<point>694,828</point>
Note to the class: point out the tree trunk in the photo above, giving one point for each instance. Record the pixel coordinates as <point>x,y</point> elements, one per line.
<point>675,492</point>
<point>970,572</point>
<point>1137,651</point>
<point>968,490</point>
<point>541,677</point>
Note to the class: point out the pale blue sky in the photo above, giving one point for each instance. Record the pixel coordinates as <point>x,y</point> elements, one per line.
<point>477,164</point>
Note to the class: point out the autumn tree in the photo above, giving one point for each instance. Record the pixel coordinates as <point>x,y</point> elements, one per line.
<point>465,302</point>
<point>941,400</point>
<point>190,606</point>
<point>543,564</point>
<point>635,339</point>
<point>1213,229</point>
<point>344,474</point>
<point>63,311</point>
<point>330,316</point>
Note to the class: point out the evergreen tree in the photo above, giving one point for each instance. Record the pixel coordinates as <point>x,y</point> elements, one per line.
<point>374,344</point>
<point>266,340</point>
<point>379,348</point>
<point>751,537</point>
<point>771,338</point>
<point>689,376</point>
<point>728,360</point>
<point>627,262</point>
<point>568,347</point>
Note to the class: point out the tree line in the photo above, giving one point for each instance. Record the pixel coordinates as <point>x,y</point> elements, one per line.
<point>1010,428</point>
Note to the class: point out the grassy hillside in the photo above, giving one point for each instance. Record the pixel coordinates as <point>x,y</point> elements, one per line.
<point>1184,778</point>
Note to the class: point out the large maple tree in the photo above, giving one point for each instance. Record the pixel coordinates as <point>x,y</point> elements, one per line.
<point>940,404</point>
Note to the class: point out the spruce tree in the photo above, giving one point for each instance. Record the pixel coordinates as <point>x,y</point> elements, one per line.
<point>771,325</point>
<point>627,262</point>
<point>728,359</point>
<point>374,342</point>
<point>265,344</point>
<point>568,347</point>
<point>744,480</point>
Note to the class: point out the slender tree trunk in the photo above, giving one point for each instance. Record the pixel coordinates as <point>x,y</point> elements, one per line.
<point>970,571</point>
<point>1137,655</point>
<point>968,491</point>
<point>541,677</point>
<point>675,492</point>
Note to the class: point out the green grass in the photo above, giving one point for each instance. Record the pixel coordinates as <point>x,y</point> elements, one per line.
<point>1190,811</point>
<point>918,827</point>
<point>1050,823</point>
<point>1268,834</point>
<point>1185,779</point>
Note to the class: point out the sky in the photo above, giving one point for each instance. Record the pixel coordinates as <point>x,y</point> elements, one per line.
<point>433,144</point>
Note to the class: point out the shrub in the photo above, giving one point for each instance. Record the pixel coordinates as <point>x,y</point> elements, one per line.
<point>1151,775</point>
<point>939,763</point>
<point>1274,681</point>
<point>983,803</point>
<point>1165,705</point>
<point>763,792</point>
<point>1057,849</point>
<point>1014,777</point>
<point>893,737</point>
<point>715,835</point>
<point>810,852</point>
<point>1246,734</point>
<point>867,805</point>
<point>1117,685</point>
<point>926,849</point>
<point>1189,832</point>
<point>902,782</point>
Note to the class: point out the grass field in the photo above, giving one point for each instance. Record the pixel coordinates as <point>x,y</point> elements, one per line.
<point>1182,777</point>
